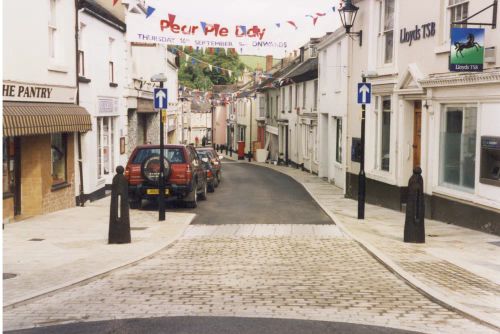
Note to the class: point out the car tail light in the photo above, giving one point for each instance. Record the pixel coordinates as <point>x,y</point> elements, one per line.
<point>127,173</point>
<point>209,173</point>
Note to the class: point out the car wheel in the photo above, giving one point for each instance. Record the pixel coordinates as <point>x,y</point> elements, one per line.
<point>203,194</point>
<point>192,201</point>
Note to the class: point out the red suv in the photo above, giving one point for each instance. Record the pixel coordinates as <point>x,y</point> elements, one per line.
<point>184,174</point>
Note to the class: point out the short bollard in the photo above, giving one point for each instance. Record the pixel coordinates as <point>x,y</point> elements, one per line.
<point>231,151</point>
<point>119,219</point>
<point>415,209</point>
<point>249,156</point>
<point>227,150</point>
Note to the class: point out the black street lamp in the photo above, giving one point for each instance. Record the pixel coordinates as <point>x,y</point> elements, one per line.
<point>348,14</point>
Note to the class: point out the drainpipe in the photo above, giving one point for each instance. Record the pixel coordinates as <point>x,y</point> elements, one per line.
<point>81,197</point>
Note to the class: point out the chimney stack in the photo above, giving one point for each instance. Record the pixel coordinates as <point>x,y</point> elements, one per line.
<point>269,63</point>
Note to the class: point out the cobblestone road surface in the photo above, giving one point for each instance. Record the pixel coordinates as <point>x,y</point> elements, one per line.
<point>278,271</point>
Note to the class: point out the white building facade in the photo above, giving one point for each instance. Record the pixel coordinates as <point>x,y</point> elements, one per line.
<point>102,82</point>
<point>333,55</point>
<point>424,115</point>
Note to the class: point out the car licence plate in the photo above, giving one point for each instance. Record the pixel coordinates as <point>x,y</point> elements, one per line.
<point>156,191</point>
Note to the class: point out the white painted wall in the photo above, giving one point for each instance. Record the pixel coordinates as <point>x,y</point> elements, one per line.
<point>102,43</point>
<point>26,43</point>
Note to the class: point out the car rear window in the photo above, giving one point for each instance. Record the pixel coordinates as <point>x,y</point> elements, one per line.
<point>173,155</point>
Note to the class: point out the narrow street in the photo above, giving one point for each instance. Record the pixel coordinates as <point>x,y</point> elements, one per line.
<point>262,275</point>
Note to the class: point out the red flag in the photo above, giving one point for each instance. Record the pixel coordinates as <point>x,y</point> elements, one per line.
<point>321,14</point>
<point>315,19</point>
<point>293,24</point>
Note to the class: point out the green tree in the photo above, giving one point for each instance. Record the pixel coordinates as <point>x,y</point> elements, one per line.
<point>197,75</point>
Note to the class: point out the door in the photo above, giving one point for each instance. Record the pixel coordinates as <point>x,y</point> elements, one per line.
<point>417,133</point>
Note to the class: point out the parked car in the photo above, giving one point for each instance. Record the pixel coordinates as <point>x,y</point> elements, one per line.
<point>210,170</point>
<point>215,160</point>
<point>185,178</point>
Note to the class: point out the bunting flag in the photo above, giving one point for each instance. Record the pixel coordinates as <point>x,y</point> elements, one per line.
<point>114,2</point>
<point>278,25</point>
<point>321,14</point>
<point>333,9</point>
<point>150,10</point>
<point>292,24</point>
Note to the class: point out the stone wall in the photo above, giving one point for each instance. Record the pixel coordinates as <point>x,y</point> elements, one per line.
<point>132,131</point>
<point>153,128</point>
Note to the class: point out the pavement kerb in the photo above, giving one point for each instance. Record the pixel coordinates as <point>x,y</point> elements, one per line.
<point>100,274</point>
<point>416,284</point>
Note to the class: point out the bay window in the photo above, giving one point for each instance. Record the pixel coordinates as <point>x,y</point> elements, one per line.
<point>458,147</point>
<point>105,146</point>
<point>383,116</point>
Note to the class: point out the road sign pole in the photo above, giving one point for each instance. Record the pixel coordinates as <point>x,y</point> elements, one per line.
<point>362,176</point>
<point>161,197</point>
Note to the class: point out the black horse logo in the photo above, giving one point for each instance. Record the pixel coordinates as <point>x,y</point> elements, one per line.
<point>459,47</point>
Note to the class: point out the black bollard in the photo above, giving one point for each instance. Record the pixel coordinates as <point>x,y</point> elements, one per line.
<point>227,150</point>
<point>231,151</point>
<point>119,219</point>
<point>415,209</point>
<point>249,156</point>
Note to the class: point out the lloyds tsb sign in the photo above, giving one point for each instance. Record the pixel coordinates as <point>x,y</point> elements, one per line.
<point>424,31</point>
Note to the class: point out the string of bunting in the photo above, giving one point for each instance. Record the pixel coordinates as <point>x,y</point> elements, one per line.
<point>133,7</point>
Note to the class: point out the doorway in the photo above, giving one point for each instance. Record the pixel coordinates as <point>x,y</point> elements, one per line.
<point>417,133</point>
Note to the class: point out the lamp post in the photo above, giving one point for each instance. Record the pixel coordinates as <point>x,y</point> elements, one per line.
<point>161,78</point>
<point>348,14</point>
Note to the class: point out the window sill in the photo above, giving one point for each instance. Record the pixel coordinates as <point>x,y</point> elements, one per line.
<point>113,84</point>
<point>57,68</point>
<point>59,186</point>
<point>83,79</point>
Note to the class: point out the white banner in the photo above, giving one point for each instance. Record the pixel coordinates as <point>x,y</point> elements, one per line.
<point>170,29</point>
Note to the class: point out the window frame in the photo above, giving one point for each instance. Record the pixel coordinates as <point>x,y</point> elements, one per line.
<point>64,142</point>
<point>383,31</point>
<point>52,30</point>
<point>378,134</point>
<point>338,140</point>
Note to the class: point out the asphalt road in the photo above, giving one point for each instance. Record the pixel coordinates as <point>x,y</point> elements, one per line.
<point>252,194</point>
<point>213,325</point>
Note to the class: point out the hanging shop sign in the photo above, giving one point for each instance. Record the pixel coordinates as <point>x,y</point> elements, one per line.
<point>173,30</point>
<point>467,50</point>
<point>25,92</point>
<point>424,31</point>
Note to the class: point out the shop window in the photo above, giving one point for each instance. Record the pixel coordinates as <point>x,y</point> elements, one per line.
<point>387,31</point>
<point>458,147</point>
<point>338,142</point>
<point>105,146</point>
<point>59,152</point>
<point>8,166</point>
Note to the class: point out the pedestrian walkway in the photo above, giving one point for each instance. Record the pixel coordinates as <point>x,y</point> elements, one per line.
<point>46,253</point>
<point>456,266</point>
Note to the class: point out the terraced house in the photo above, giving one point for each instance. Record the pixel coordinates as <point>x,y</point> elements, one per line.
<point>423,114</point>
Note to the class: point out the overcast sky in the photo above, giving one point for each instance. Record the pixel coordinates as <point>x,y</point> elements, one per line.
<point>259,12</point>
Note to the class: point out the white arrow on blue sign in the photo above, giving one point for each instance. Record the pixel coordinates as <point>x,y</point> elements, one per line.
<point>161,98</point>
<point>364,93</point>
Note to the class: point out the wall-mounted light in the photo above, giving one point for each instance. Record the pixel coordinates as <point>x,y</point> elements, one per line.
<point>348,14</point>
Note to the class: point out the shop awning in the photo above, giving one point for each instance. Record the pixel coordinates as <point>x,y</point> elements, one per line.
<point>25,118</point>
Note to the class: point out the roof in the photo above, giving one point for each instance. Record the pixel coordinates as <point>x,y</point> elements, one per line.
<point>102,14</point>
<point>308,70</point>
